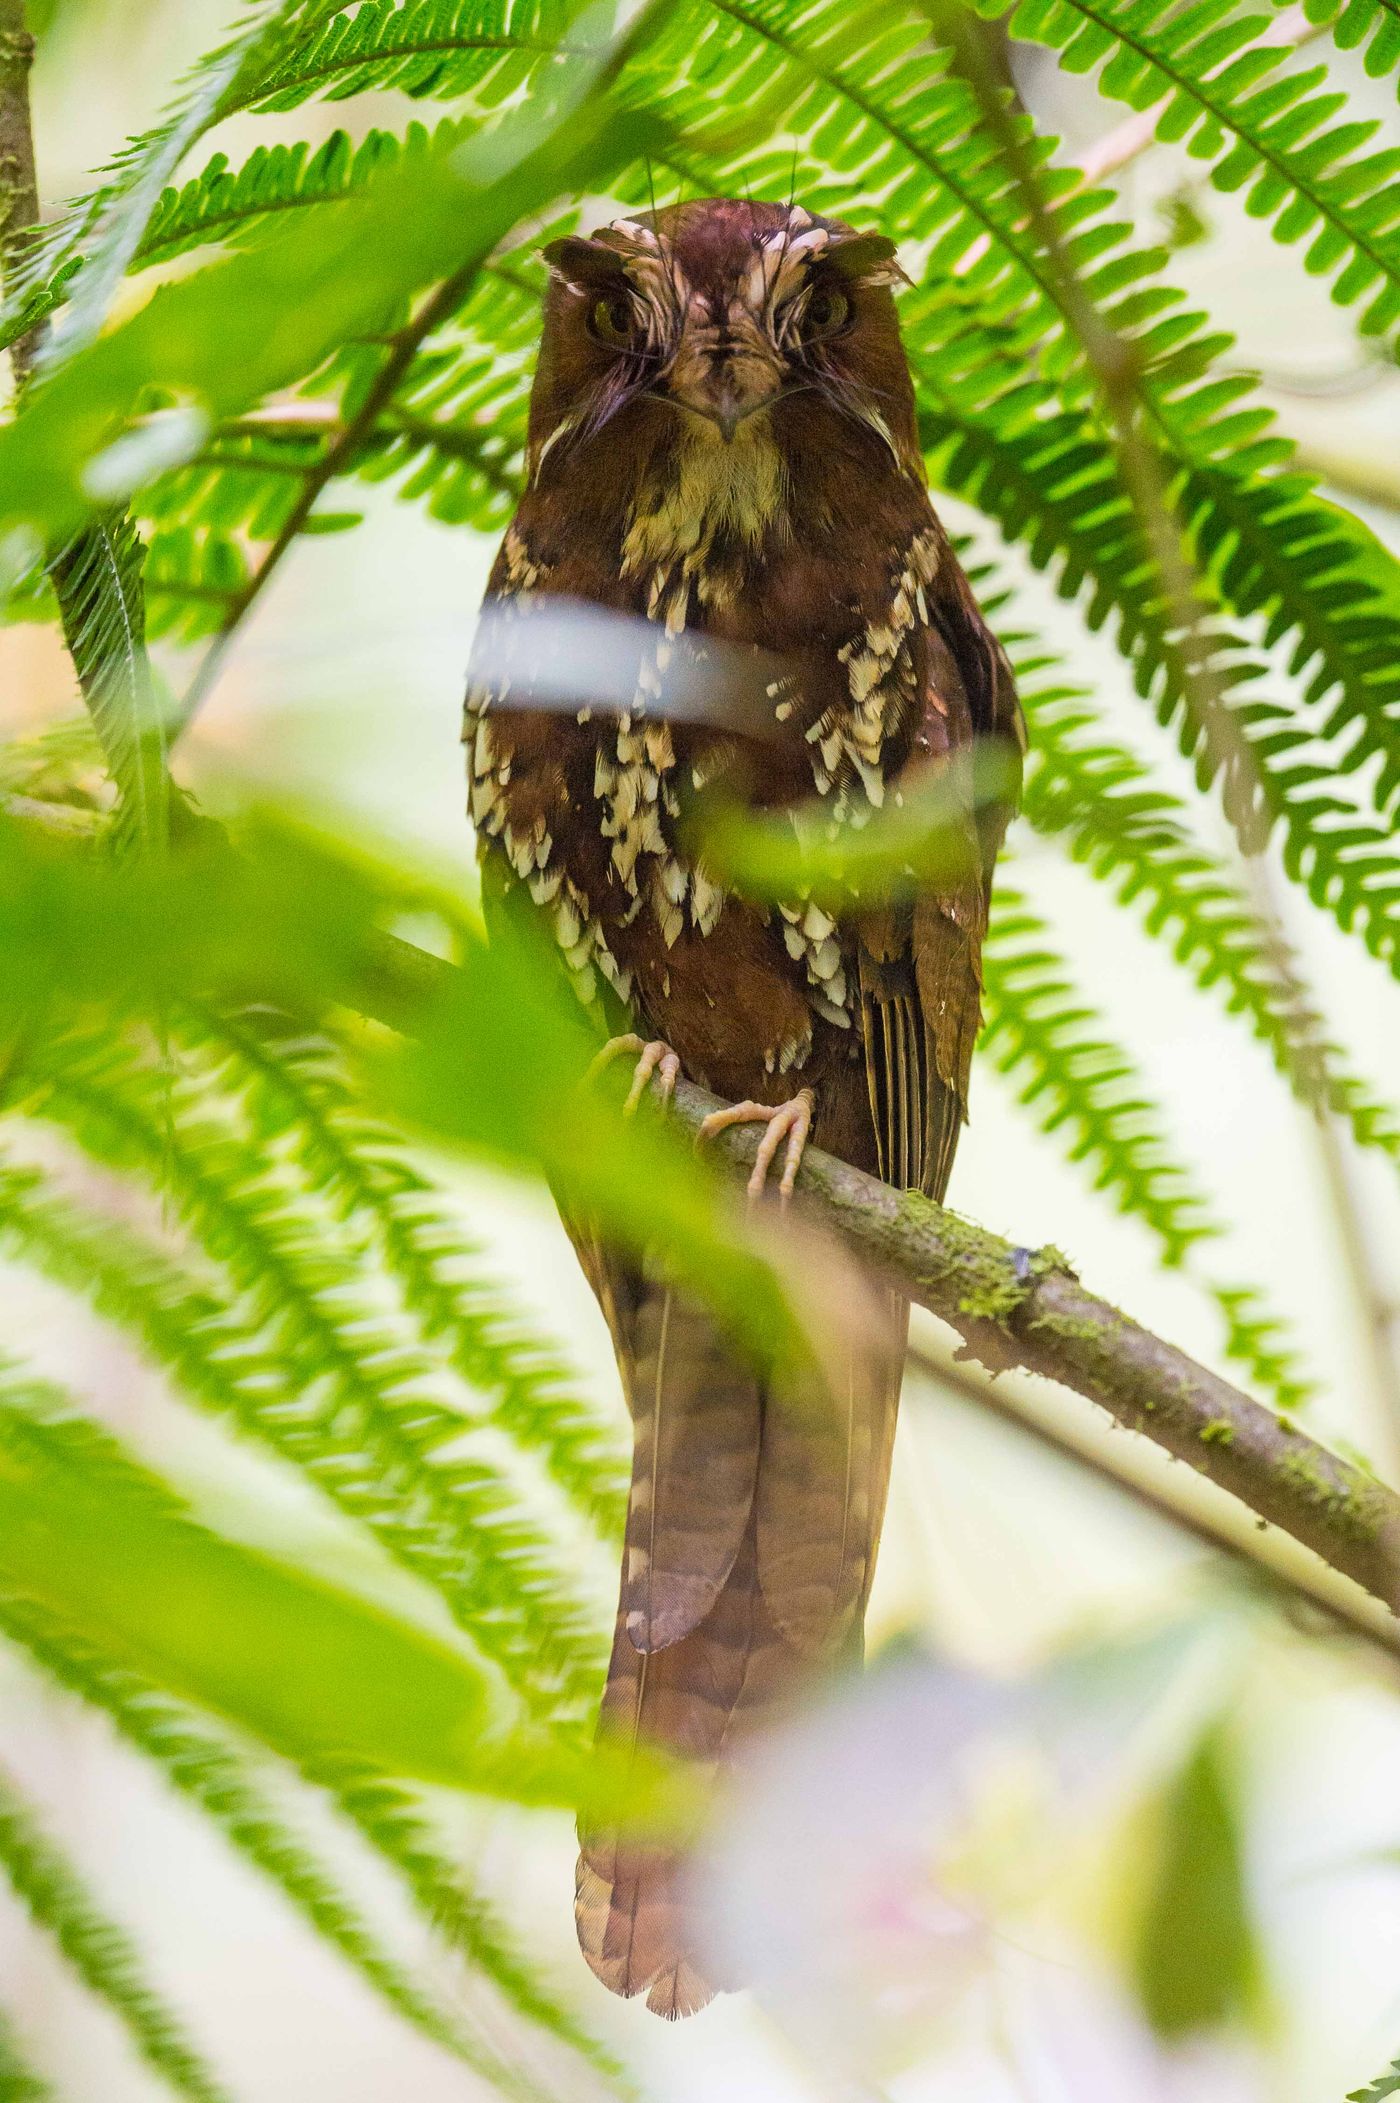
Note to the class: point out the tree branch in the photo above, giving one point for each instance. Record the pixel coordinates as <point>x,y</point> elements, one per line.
<point>1289,1572</point>
<point>1024,1307</point>
<point>19,184</point>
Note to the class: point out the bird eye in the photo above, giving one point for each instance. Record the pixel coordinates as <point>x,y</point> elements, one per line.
<point>614,320</point>
<point>826,312</point>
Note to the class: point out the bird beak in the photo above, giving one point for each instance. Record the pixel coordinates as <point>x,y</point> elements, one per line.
<point>731,409</point>
<point>724,405</point>
<point>726,390</point>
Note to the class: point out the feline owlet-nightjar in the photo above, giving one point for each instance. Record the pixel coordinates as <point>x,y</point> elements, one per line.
<point>723,443</point>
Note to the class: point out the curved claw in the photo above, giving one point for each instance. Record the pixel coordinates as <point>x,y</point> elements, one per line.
<point>790,1121</point>
<point>655,1057</point>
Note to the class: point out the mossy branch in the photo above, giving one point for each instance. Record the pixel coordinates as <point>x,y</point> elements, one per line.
<point>1025,1307</point>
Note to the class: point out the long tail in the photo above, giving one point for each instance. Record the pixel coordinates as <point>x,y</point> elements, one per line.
<point>752,1527</point>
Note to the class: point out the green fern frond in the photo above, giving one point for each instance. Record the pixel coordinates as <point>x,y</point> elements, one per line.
<point>195,575</point>
<point>295,1088</point>
<point>443,48</point>
<point>388,1818</point>
<point>345,1393</point>
<point>55,1896</point>
<point>1040,1034</point>
<point>1265,128</point>
<point>101,597</point>
<point>1047,480</point>
<point>453,435</point>
<point>229,205</point>
<point>1259,1341</point>
<point>59,763</point>
<point>1372,24</point>
<point>1386,2084</point>
<point>1102,802</point>
<point>207,1768</point>
<point>19,2081</point>
<point>1085,1090</point>
<point>94,241</point>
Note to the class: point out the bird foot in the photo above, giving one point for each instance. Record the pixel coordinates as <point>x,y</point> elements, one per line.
<point>653,1058</point>
<point>790,1121</point>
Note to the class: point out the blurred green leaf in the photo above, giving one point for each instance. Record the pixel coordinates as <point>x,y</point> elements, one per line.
<point>294,922</point>
<point>19,2082</point>
<point>320,1674</point>
<point>218,341</point>
<point>1197,1964</point>
<point>923,836</point>
<point>53,1893</point>
<point>231,1787</point>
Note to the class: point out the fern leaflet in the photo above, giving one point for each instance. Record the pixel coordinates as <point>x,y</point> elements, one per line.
<point>101,597</point>
<point>352,1399</point>
<point>19,2082</point>
<point>1043,1037</point>
<point>1372,24</point>
<point>207,1768</point>
<point>53,1893</point>
<point>1265,129</point>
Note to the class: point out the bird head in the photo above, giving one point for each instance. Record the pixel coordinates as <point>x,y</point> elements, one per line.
<point>714,316</point>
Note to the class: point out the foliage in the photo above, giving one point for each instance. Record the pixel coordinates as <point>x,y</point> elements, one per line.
<point>1387,2084</point>
<point>97,580</point>
<point>235,1182</point>
<point>1196,1960</point>
<point>18,2082</point>
<point>53,1892</point>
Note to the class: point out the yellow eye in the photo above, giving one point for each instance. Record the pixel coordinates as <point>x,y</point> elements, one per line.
<point>826,312</point>
<point>614,320</point>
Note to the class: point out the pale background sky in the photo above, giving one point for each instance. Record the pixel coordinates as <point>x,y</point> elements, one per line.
<point>346,687</point>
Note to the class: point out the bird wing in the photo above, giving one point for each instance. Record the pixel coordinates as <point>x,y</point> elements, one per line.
<point>919,954</point>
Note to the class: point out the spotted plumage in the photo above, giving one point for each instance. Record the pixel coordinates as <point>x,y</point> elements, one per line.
<point>723,447</point>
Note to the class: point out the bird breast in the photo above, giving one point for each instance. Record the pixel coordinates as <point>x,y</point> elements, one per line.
<point>716,502</point>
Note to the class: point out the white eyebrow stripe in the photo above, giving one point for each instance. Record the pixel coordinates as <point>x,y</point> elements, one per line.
<point>634,231</point>
<point>818,237</point>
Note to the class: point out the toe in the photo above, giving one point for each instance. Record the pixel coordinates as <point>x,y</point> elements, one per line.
<point>654,1058</point>
<point>615,1048</point>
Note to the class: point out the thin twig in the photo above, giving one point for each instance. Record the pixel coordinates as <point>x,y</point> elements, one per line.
<point>338,456</point>
<point>1259,1555</point>
<point>455,441</point>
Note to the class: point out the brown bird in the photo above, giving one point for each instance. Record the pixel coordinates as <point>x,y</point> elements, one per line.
<point>723,442</point>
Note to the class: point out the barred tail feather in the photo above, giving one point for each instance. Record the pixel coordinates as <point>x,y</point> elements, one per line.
<point>804,1521</point>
